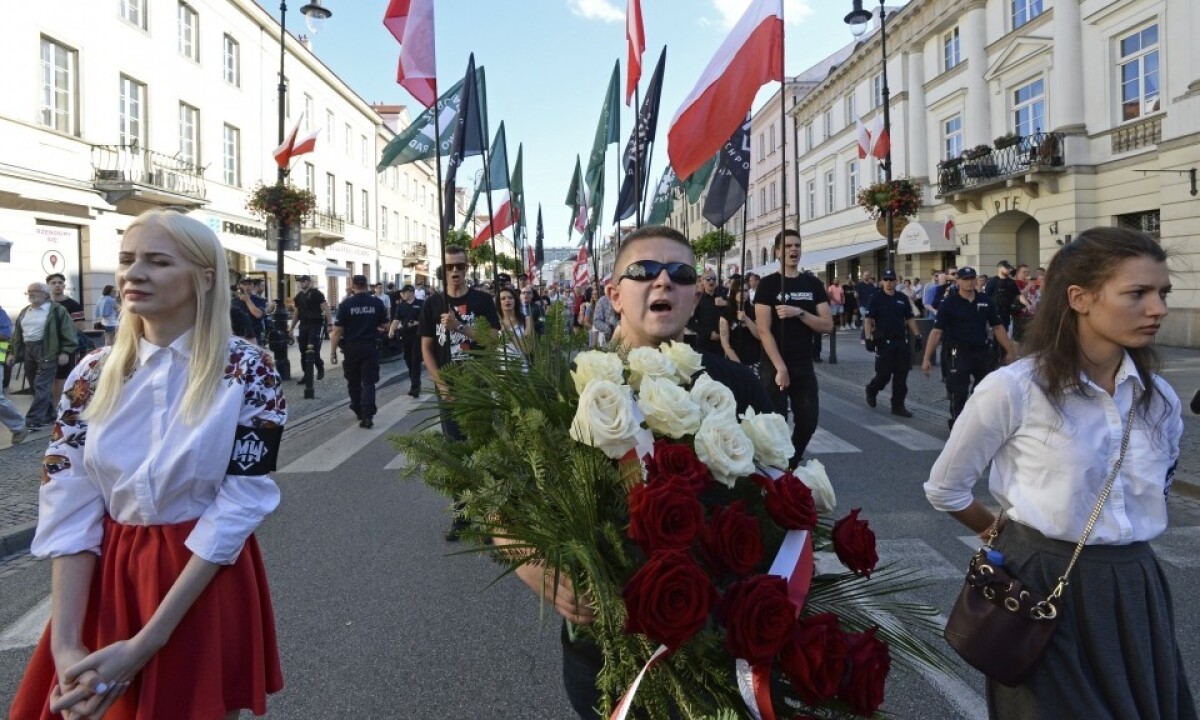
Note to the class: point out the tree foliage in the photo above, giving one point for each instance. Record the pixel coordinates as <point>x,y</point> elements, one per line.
<point>714,242</point>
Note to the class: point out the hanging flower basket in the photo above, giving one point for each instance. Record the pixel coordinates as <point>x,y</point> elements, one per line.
<point>898,225</point>
<point>286,203</point>
<point>1007,140</point>
<point>902,198</point>
<point>977,152</point>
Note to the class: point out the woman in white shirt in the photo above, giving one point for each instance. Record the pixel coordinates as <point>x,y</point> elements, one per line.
<point>1052,426</point>
<point>155,480</point>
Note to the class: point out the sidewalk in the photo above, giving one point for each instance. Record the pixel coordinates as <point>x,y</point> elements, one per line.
<point>20,466</point>
<point>927,395</point>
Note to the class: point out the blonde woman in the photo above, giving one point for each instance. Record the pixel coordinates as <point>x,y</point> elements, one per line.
<point>154,482</point>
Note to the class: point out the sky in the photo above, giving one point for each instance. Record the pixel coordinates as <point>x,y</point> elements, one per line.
<point>548,64</point>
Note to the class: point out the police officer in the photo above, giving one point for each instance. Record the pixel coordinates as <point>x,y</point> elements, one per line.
<point>964,317</point>
<point>888,314</point>
<point>360,319</point>
<point>406,314</point>
<point>313,316</point>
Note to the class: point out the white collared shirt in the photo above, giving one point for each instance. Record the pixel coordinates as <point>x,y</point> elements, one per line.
<point>143,465</point>
<point>33,322</point>
<point>1050,465</point>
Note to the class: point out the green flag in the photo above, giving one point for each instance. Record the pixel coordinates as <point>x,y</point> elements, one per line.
<point>516,188</point>
<point>416,142</point>
<point>696,182</point>
<point>664,198</point>
<point>607,131</point>
<point>577,200</point>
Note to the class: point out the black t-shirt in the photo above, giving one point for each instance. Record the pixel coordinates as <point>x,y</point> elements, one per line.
<point>407,313</point>
<point>966,322</point>
<point>746,387</point>
<point>73,307</point>
<point>453,346</point>
<point>890,313</point>
<point>1003,292</point>
<point>360,316</point>
<point>792,336</point>
<point>705,321</point>
<point>308,305</point>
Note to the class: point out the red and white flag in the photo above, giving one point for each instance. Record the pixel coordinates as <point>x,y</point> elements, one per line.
<point>581,213</point>
<point>949,231</point>
<point>881,144</point>
<point>530,264</point>
<point>583,275</point>
<point>294,145</point>
<point>411,23</point>
<point>863,136</point>
<point>749,58</point>
<point>635,38</point>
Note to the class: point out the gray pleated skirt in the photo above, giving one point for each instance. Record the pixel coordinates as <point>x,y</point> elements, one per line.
<point>1113,655</point>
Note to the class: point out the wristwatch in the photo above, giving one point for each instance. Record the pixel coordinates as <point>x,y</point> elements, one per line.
<point>802,313</point>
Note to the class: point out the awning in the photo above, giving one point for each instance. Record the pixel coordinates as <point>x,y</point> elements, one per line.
<point>294,263</point>
<point>924,236</point>
<point>333,270</point>
<point>249,247</point>
<point>818,259</point>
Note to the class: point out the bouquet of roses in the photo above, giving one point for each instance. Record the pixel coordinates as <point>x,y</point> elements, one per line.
<point>634,475</point>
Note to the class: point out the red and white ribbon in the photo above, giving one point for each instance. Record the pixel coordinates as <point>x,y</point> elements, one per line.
<point>621,711</point>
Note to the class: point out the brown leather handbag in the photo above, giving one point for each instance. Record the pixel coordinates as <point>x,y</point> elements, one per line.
<point>999,625</point>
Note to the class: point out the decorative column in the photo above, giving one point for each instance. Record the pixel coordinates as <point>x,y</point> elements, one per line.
<point>1066,106</point>
<point>917,127</point>
<point>977,123</point>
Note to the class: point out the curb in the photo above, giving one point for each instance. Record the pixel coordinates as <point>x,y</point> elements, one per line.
<point>18,538</point>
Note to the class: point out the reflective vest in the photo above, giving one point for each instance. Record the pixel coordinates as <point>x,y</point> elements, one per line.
<point>3,350</point>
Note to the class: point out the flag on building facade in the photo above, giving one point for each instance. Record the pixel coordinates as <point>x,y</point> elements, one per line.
<point>727,193</point>
<point>416,142</point>
<point>881,144</point>
<point>468,137</point>
<point>635,38</point>
<point>750,57</point>
<point>497,172</point>
<point>295,144</point>
<point>411,23</point>
<point>863,137</point>
<point>643,134</point>
<point>949,230</point>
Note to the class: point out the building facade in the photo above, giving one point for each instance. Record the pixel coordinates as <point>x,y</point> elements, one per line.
<point>989,113</point>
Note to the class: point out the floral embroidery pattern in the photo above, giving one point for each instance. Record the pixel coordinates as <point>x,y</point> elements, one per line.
<point>70,431</point>
<point>254,368</point>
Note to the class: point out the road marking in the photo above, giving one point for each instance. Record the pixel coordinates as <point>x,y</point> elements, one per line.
<point>824,442</point>
<point>28,629</point>
<point>343,446</point>
<point>907,437</point>
<point>399,462</point>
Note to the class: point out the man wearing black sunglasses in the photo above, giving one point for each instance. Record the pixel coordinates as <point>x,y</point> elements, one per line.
<point>790,307</point>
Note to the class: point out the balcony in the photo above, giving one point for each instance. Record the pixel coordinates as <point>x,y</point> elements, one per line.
<point>414,254</point>
<point>322,230</point>
<point>1137,135</point>
<point>1029,163</point>
<point>135,179</point>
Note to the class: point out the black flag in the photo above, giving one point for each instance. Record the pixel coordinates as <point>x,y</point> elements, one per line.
<point>468,140</point>
<point>539,253</point>
<point>643,135</point>
<point>727,193</point>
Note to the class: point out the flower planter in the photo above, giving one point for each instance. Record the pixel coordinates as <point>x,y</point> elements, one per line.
<point>898,224</point>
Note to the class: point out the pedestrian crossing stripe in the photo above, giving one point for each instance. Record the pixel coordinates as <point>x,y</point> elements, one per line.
<point>909,437</point>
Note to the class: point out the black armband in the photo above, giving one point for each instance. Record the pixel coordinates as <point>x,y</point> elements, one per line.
<point>255,450</point>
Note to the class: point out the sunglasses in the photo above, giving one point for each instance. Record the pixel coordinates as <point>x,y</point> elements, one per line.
<point>647,270</point>
<point>461,267</point>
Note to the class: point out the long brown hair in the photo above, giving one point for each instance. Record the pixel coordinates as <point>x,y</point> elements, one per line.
<point>1088,261</point>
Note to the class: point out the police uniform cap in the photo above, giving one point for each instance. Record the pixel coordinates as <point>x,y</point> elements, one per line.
<point>359,281</point>
<point>302,278</point>
<point>889,275</point>
<point>408,288</point>
<point>966,273</point>
<point>245,279</point>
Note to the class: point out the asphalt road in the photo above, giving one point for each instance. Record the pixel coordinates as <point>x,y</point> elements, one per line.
<point>379,617</point>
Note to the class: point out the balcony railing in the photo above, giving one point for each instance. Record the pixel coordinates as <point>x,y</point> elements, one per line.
<point>1137,135</point>
<point>124,169</point>
<point>1031,154</point>
<point>326,222</point>
<point>414,253</point>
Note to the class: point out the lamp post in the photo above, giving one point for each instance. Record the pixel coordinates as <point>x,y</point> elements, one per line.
<point>314,15</point>
<point>858,20</point>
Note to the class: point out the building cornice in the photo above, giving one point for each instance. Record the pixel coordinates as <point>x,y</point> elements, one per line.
<point>1028,28</point>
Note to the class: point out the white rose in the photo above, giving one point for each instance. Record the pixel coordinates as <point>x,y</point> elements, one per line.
<point>668,408</point>
<point>771,437</point>
<point>713,397</point>
<point>648,362</point>
<point>814,476</point>
<point>596,365</point>
<point>687,361</point>
<point>725,449</point>
<point>604,418</point>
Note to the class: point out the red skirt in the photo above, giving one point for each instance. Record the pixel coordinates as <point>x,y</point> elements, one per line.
<point>222,657</point>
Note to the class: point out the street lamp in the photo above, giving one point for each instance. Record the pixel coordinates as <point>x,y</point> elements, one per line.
<point>858,20</point>
<point>286,236</point>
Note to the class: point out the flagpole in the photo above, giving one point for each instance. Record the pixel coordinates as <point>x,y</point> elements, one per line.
<point>487,179</point>
<point>637,152</point>
<point>437,143</point>
<point>744,263</point>
<point>646,186</point>
<point>782,141</point>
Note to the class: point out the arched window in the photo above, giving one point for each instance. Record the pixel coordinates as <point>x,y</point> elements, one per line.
<point>764,256</point>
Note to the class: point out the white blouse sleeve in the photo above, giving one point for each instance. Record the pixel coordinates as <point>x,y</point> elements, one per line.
<point>990,418</point>
<point>244,500</point>
<point>70,506</point>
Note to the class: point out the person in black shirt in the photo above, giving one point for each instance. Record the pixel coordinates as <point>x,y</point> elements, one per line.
<point>406,314</point>
<point>58,295</point>
<point>360,319</point>
<point>447,330</point>
<point>312,314</point>
<point>1004,291</point>
<point>964,318</point>
<point>789,307</point>
<point>739,332</point>
<point>889,314</point>
<point>706,318</point>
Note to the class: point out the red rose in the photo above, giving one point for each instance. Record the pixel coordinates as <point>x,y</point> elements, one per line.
<point>664,516</point>
<point>677,463</point>
<point>668,599</point>
<point>731,542</point>
<point>758,618</point>
<point>870,663</point>
<point>814,658</point>
<point>854,543</point>
<point>789,501</point>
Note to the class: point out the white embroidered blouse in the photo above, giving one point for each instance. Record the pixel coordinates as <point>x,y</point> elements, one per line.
<point>143,465</point>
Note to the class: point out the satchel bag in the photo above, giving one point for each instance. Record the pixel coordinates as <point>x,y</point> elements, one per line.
<point>999,625</point>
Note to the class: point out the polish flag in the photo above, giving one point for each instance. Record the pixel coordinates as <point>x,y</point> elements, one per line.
<point>635,36</point>
<point>583,276</point>
<point>411,23</point>
<point>863,136</point>
<point>749,58</point>
<point>881,144</point>
<point>293,146</point>
<point>581,214</point>
<point>504,218</point>
<point>530,263</point>
<point>949,231</point>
